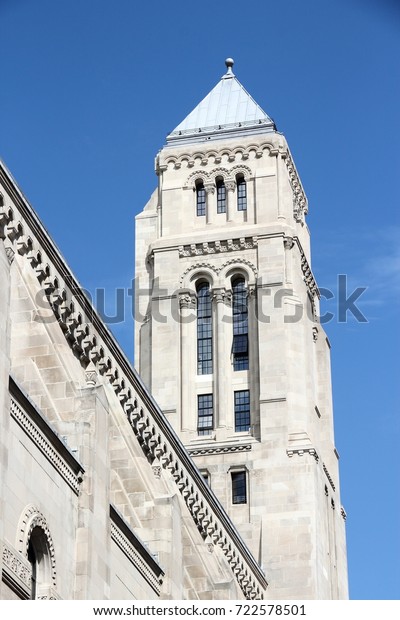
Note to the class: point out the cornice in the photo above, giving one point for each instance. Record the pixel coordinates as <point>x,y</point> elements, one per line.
<point>90,340</point>
<point>135,550</point>
<point>44,437</point>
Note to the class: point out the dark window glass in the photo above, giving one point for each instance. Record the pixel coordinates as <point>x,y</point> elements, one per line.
<point>200,199</point>
<point>239,491</point>
<point>242,410</point>
<point>240,344</point>
<point>241,195</point>
<point>204,330</point>
<point>221,197</point>
<point>204,414</point>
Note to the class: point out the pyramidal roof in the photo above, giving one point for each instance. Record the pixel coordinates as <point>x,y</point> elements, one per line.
<point>228,108</point>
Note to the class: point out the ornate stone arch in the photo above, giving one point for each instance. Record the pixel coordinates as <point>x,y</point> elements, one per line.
<point>241,169</point>
<point>220,171</point>
<point>239,266</point>
<point>194,176</point>
<point>30,520</point>
<point>195,272</point>
<point>267,146</point>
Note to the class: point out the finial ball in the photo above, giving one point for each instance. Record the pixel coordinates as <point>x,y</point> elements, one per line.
<point>229,62</point>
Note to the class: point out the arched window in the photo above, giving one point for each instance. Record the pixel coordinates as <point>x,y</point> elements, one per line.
<point>200,198</point>
<point>204,330</point>
<point>221,196</point>
<point>240,344</point>
<point>241,194</point>
<point>39,558</point>
<point>36,544</point>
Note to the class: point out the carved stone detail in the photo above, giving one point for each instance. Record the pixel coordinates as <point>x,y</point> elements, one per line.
<point>10,254</point>
<point>302,452</point>
<point>308,276</point>
<point>187,299</point>
<point>288,242</point>
<point>217,247</point>
<point>157,471</point>
<point>300,207</point>
<point>219,450</point>
<point>221,295</point>
<point>17,565</point>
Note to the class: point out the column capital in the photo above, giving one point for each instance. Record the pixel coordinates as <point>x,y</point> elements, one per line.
<point>221,295</point>
<point>187,299</point>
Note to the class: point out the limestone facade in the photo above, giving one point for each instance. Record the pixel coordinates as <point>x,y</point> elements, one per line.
<point>98,498</point>
<point>268,424</point>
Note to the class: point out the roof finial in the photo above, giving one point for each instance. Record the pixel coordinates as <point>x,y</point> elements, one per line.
<point>229,64</point>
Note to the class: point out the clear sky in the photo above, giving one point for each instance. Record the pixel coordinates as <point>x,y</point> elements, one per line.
<point>91,88</point>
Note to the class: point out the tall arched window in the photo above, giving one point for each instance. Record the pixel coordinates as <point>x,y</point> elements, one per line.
<point>241,193</point>
<point>200,198</point>
<point>221,196</point>
<point>39,558</point>
<point>204,330</point>
<point>240,344</point>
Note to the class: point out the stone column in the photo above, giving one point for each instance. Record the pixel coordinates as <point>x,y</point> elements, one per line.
<point>288,243</point>
<point>220,297</point>
<point>187,304</point>
<point>230,189</point>
<point>210,206</point>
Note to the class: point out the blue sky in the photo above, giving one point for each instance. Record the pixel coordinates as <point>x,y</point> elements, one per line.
<point>91,88</point>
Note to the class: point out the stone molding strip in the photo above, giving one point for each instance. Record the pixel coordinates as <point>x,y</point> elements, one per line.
<point>44,437</point>
<point>16,572</point>
<point>91,341</point>
<point>219,450</point>
<point>135,551</point>
<point>217,247</point>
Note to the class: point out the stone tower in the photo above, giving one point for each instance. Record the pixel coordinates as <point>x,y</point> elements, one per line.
<point>228,339</point>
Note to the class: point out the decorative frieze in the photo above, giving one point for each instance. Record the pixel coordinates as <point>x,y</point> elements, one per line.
<point>217,247</point>
<point>219,450</point>
<point>18,567</point>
